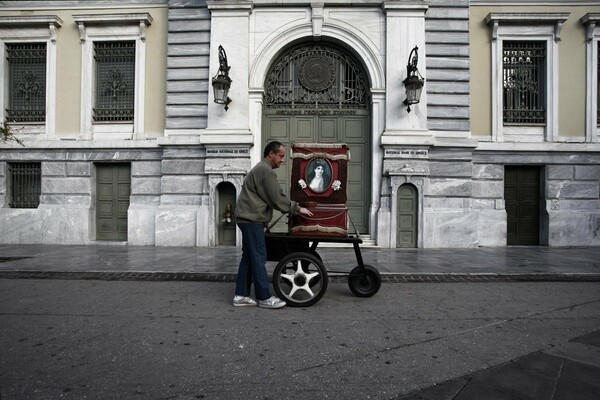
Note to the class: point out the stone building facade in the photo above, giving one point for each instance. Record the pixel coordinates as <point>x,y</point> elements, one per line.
<point>455,171</point>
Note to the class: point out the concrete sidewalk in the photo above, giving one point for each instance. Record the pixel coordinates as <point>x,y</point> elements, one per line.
<point>220,263</point>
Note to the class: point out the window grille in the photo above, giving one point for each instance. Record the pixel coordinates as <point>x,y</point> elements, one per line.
<point>26,82</point>
<point>524,80</point>
<point>115,81</point>
<point>25,185</point>
<point>316,77</point>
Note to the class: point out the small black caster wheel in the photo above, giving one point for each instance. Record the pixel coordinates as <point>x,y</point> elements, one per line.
<point>364,282</point>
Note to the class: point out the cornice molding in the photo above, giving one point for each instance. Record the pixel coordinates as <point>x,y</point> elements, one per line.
<point>141,19</point>
<point>28,20</point>
<point>230,5</point>
<point>556,19</point>
<point>53,22</point>
<point>590,20</point>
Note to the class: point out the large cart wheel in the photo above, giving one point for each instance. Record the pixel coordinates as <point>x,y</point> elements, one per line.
<point>364,282</point>
<point>300,279</point>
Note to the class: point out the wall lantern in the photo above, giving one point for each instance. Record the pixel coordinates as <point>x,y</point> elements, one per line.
<point>222,82</point>
<point>414,81</point>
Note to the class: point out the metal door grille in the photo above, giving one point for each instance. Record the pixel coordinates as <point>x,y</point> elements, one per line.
<point>115,81</point>
<point>26,82</point>
<point>25,185</point>
<point>316,77</point>
<point>524,70</point>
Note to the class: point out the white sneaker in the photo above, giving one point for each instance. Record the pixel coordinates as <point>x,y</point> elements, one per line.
<point>272,302</point>
<point>241,301</point>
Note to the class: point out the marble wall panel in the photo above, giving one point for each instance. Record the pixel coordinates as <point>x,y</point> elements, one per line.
<point>574,205</point>
<point>384,217</point>
<point>488,171</point>
<point>175,226</point>
<point>587,172</point>
<point>226,165</point>
<point>488,189</point>
<point>51,185</point>
<point>54,169</point>
<point>146,168</point>
<point>492,228</point>
<point>559,172</point>
<point>184,152</point>
<point>181,199</point>
<point>114,155</point>
<point>64,225</point>
<point>141,225</point>
<point>146,185</point>
<point>182,184</point>
<point>443,203</point>
<point>74,200</point>
<point>536,158</point>
<point>84,201</point>
<point>440,153</point>
<point>451,169</point>
<point>448,187</point>
<point>18,225</point>
<point>144,200</point>
<point>79,169</point>
<point>488,204</point>
<point>574,228</point>
<point>450,229</point>
<point>182,167</point>
<point>2,168</point>
<point>53,199</point>
<point>45,225</point>
<point>572,190</point>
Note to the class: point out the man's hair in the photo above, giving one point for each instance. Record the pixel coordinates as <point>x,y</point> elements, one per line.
<point>272,147</point>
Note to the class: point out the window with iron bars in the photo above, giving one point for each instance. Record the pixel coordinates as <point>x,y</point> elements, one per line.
<point>26,82</point>
<point>24,184</point>
<point>115,81</point>
<point>524,82</point>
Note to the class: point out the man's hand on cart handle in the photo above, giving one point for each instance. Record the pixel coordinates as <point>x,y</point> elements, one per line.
<point>305,212</point>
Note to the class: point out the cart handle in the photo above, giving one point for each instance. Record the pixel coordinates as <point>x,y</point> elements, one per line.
<point>354,226</point>
<point>274,223</point>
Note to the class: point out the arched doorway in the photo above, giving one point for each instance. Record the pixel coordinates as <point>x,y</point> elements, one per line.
<point>318,92</point>
<point>407,216</point>
<point>226,229</point>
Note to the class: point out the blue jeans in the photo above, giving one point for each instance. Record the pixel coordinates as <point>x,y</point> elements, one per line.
<point>252,265</point>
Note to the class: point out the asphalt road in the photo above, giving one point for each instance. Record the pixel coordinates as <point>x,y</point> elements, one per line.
<point>183,340</point>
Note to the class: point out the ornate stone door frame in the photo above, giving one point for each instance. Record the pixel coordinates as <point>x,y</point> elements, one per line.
<point>398,178</point>
<point>224,163</point>
<point>365,51</point>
